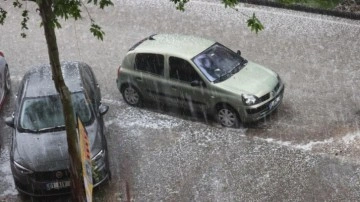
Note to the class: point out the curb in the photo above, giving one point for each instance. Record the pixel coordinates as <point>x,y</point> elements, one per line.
<point>348,15</point>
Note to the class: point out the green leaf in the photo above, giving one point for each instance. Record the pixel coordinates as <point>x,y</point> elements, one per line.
<point>2,15</point>
<point>96,31</point>
<point>25,15</point>
<point>180,4</point>
<point>17,4</point>
<point>230,3</point>
<point>104,3</point>
<point>255,24</point>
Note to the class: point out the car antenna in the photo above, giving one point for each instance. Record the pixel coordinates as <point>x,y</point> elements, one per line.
<point>151,37</point>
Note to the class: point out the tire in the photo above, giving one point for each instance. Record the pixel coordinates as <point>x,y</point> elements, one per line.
<point>131,95</point>
<point>7,80</point>
<point>227,116</point>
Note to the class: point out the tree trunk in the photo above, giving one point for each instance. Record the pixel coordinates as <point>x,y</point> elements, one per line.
<point>47,15</point>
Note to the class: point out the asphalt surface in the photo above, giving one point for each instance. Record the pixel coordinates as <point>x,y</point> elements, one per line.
<point>307,151</point>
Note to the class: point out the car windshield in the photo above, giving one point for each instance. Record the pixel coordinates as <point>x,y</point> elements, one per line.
<point>45,113</point>
<point>218,63</point>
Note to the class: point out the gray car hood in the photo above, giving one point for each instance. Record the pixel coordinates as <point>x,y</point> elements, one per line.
<point>49,151</point>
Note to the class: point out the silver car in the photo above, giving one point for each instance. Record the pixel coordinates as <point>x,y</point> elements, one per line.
<point>5,84</point>
<point>199,74</point>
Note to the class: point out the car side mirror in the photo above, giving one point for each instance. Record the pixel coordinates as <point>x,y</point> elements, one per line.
<point>197,83</point>
<point>103,109</point>
<point>238,52</point>
<point>10,121</point>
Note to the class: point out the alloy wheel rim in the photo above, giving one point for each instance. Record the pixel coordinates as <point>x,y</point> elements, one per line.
<point>131,95</point>
<point>227,117</point>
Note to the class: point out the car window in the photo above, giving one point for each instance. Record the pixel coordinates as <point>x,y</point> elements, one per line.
<point>20,91</point>
<point>89,86</point>
<point>182,70</point>
<point>1,82</point>
<point>217,61</point>
<point>152,63</point>
<point>42,113</point>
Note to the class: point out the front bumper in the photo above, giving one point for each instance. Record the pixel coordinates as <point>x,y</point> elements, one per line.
<point>257,112</point>
<point>37,183</point>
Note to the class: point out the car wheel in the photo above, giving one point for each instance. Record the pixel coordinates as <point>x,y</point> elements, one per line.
<point>227,117</point>
<point>131,95</point>
<point>7,80</point>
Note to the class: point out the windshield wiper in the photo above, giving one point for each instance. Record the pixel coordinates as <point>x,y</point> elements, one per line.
<point>224,77</point>
<point>235,70</point>
<point>244,62</point>
<point>55,128</point>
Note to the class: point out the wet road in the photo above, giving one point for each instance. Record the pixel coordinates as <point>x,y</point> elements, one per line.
<point>307,151</point>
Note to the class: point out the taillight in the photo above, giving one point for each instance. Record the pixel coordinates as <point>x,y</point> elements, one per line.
<point>119,71</point>
<point>2,54</point>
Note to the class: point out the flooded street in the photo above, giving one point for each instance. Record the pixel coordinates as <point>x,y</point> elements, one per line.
<point>306,151</point>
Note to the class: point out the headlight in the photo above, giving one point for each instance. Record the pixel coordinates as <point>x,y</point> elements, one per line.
<point>249,99</point>
<point>98,161</point>
<point>21,169</point>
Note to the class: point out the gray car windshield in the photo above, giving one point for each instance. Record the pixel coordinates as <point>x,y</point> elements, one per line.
<point>218,63</point>
<point>45,113</point>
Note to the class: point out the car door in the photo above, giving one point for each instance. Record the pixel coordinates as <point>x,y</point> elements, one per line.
<point>150,75</point>
<point>187,84</point>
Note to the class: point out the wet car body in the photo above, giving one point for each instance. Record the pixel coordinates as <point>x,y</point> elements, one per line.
<point>5,83</point>
<point>199,74</point>
<point>39,155</point>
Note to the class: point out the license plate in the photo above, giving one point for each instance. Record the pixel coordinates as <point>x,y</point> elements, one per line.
<point>58,185</point>
<point>274,102</point>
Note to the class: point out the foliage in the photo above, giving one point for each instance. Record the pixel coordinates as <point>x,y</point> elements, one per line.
<point>2,15</point>
<point>63,9</point>
<point>66,9</point>
<point>325,4</point>
<point>253,22</point>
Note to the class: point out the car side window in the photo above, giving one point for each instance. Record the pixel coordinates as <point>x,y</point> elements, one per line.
<point>152,63</point>
<point>88,84</point>
<point>182,70</point>
<point>91,75</point>
<point>20,91</point>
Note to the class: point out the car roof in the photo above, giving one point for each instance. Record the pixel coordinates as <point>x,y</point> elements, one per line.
<point>184,46</point>
<point>39,79</point>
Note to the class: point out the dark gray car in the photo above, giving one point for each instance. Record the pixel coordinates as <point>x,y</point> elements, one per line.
<point>39,154</point>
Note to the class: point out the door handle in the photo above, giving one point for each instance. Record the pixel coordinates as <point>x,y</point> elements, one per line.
<point>138,78</point>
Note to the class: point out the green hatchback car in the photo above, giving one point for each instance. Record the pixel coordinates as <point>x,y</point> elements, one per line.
<point>199,74</point>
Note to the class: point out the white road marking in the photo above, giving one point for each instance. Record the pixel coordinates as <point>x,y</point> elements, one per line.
<point>147,119</point>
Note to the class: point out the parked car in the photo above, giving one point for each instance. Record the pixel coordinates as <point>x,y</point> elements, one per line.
<point>39,154</point>
<point>5,83</point>
<point>199,74</point>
